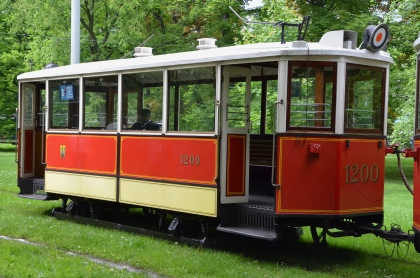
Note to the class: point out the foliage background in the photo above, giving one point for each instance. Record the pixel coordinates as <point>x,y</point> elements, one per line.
<point>37,32</point>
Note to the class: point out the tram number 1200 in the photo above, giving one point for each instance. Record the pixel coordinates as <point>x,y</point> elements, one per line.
<point>355,173</point>
<point>190,159</point>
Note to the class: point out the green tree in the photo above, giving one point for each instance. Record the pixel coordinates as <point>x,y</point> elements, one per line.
<point>272,11</point>
<point>10,65</point>
<point>327,15</point>
<point>404,125</point>
<point>112,28</point>
<point>404,21</point>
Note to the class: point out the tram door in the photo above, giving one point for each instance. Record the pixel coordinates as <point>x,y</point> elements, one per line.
<point>234,158</point>
<point>27,142</point>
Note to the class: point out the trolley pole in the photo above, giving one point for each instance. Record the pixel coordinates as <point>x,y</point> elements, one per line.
<point>75,32</point>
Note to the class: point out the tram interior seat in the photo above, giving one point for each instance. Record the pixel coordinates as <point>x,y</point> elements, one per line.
<point>260,164</point>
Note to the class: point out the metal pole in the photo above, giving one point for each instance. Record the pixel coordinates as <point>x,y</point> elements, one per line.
<point>75,31</point>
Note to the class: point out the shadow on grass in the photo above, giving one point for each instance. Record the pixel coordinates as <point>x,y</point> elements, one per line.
<point>300,254</point>
<point>309,256</point>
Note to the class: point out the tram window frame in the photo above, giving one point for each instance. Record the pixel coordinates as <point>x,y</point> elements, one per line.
<point>417,111</point>
<point>56,101</point>
<point>333,95</point>
<point>105,89</point>
<point>377,129</point>
<point>136,86</point>
<point>177,79</point>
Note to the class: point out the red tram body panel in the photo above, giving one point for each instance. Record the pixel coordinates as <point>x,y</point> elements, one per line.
<point>336,180</point>
<point>236,165</point>
<point>91,154</point>
<point>182,160</point>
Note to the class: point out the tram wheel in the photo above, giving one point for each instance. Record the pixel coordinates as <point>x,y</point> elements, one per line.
<point>198,229</point>
<point>319,238</point>
<point>147,212</point>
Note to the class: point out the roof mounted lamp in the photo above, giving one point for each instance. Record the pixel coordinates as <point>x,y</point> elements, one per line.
<point>376,37</point>
<point>50,66</point>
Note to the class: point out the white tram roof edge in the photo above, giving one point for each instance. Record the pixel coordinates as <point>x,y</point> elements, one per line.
<point>248,52</point>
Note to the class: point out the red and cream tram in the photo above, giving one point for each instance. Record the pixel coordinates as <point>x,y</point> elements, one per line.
<point>257,138</point>
<point>415,154</point>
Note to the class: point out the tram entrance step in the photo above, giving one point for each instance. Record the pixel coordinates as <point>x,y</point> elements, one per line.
<point>249,231</point>
<point>253,219</point>
<point>39,197</point>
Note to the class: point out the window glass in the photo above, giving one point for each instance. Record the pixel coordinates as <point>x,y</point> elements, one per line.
<point>64,103</point>
<point>257,113</point>
<point>272,87</point>
<point>142,101</point>
<point>100,98</point>
<point>418,96</point>
<point>236,105</point>
<point>192,94</point>
<point>28,109</point>
<point>311,95</point>
<point>41,105</point>
<point>364,99</point>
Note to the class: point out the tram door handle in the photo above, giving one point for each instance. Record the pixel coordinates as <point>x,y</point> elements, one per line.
<point>44,109</point>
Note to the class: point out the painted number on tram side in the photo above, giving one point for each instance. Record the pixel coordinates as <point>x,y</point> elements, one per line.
<point>355,173</point>
<point>190,159</point>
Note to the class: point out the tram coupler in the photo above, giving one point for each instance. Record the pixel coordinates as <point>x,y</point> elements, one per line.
<point>395,235</point>
<point>393,149</point>
<point>408,152</point>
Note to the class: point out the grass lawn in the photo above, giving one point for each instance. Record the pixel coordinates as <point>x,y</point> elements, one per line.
<point>344,257</point>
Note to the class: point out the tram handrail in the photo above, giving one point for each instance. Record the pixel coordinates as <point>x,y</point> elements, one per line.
<point>43,135</point>
<point>16,134</point>
<point>274,144</point>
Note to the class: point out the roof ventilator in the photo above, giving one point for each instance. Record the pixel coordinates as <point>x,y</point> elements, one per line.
<point>206,43</point>
<point>143,51</point>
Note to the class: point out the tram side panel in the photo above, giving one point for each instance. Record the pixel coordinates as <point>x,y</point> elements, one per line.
<point>361,176</point>
<point>177,174</point>
<point>317,177</point>
<point>306,180</point>
<point>416,197</point>
<point>82,166</point>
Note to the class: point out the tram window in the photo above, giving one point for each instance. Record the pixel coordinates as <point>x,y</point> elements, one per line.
<point>272,88</point>
<point>364,99</point>
<point>257,113</point>
<point>417,108</point>
<point>100,102</point>
<point>142,91</point>
<point>311,95</point>
<point>192,94</point>
<point>40,111</point>
<point>64,103</point>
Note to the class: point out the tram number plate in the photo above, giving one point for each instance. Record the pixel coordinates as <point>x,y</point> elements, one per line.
<point>190,159</point>
<point>364,173</point>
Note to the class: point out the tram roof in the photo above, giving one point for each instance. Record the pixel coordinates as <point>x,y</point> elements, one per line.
<point>225,55</point>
